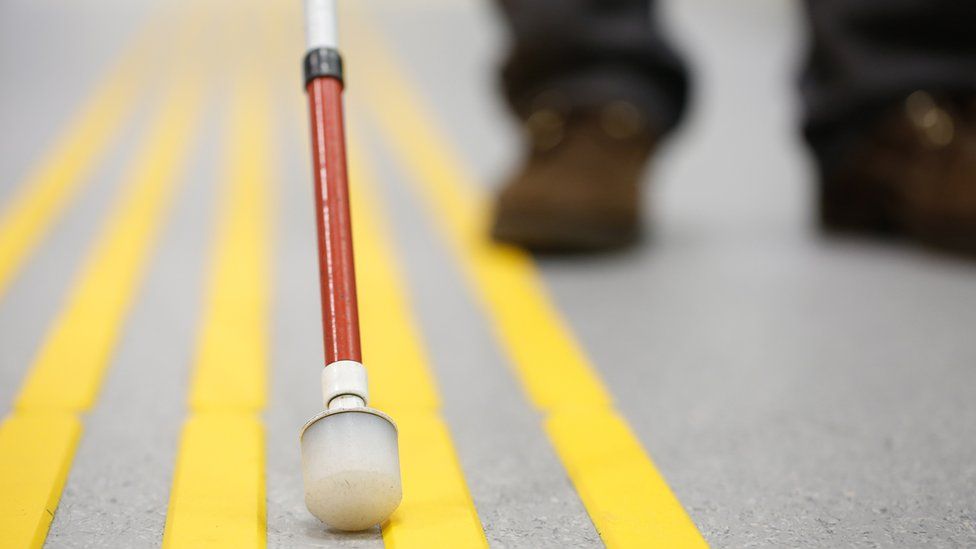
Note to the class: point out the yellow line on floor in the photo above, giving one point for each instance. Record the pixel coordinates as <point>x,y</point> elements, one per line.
<point>232,359</point>
<point>394,354</point>
<point>69,163</point>
<point>35,457</point>
<point>68,370</point>
<point>627,499</point>
<point>437,510</point>
<point>37,442</point>
<point>62,172</point>
<point>218,495</point>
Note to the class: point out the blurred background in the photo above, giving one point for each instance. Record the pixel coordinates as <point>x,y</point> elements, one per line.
<point>794,389</point>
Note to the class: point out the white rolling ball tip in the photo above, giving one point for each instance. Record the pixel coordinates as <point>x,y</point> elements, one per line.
<point>351,468</point>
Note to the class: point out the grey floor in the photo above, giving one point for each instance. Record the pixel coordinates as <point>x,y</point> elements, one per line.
<point>795,391</point>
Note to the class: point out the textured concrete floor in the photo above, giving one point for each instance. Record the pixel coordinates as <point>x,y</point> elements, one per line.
<point>794,391</point>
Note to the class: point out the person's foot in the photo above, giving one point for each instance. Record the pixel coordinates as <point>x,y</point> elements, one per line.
<point>578,190</point>
<point>914,176</point>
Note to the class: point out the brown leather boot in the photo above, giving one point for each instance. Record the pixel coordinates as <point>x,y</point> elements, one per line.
<point>914,176</point>
<point>578,190</point>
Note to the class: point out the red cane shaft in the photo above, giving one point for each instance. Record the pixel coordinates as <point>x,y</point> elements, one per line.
<point>337,275</point>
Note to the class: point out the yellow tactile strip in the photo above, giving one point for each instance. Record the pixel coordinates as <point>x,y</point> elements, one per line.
<point>68,370</point>
<point>218,496</point>
<point>625,496</point>
<point>437,510</point>
<point>35,456</point>
<point>62,173</point>
<point>67,373</point>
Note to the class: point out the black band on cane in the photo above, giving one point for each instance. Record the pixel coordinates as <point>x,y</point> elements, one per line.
<point>322,62</point>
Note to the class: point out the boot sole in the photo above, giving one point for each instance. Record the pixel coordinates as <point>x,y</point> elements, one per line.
<point>858,208</point>
<point>553,236</point>
<point>957,238</point>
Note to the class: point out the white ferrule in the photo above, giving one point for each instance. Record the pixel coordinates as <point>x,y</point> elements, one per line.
<point>344,378</point>
<point>320,24</point>
<point>346,402</point>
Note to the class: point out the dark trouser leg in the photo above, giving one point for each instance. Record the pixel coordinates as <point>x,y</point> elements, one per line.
<point>868,55</point>
<point>584,53</point>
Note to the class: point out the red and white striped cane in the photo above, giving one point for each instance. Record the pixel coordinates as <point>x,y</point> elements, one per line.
<point>350,461</point>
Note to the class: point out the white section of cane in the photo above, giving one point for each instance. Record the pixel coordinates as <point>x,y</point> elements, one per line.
<point>345,378</point>
<point>320,24</point>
